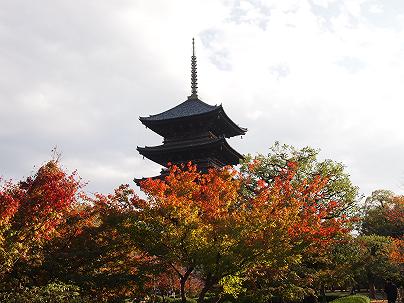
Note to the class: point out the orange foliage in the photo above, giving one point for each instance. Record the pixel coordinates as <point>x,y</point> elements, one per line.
<point>206,220</point>
<point>397,253</point>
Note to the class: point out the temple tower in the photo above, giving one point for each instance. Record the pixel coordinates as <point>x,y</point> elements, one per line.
<point>193,131</point>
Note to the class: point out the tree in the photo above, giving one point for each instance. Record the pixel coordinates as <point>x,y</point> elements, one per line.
<point>93,250</point>
<point>317,265</point>
<point>31,211</point>
<point>382,228</point>
<point>376,260</point>
<point>184,219</point>
<point>207,224</point>
<point>337,188</point>
<point>383,214</point>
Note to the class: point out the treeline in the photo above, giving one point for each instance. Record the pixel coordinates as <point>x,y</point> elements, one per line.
<point>284,225</point>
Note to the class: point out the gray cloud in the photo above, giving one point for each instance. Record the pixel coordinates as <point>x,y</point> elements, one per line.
<point>386,13</point>
<point>78,76</point>
<point>71,79</point>
<point>221,60</point>
<point>326,13</point>
<point>240,14</point>
<point>210,36</point>
<point>219,57</point>
<point>280,70</point>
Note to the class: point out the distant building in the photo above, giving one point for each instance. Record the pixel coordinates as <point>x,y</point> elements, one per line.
<point>193,131</point>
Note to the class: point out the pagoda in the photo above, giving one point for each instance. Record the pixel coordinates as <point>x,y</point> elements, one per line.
<point>193,131</point>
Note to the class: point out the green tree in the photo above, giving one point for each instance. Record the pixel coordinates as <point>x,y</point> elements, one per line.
<point>382,230</point>
<point>338,187</point>
<point>376,264</point>
<point>383,214</point>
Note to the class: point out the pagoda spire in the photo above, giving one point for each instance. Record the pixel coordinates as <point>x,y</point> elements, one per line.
<point>194,79</point>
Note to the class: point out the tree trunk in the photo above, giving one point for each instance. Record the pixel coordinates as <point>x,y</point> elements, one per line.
<point>322,294</point>
<point>183,280</point>
<point>182,284</point>
<point>202,294</point>
<point>206,287</point>
<point>372,289</point>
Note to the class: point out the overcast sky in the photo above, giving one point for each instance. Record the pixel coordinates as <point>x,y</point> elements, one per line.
<point>323,73</point>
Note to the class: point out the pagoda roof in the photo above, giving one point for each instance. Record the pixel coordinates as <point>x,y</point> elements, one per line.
<point>162,154</point>
<point>191,109</point>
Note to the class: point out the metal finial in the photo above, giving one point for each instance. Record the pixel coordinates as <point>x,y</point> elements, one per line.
<point>194,80</point>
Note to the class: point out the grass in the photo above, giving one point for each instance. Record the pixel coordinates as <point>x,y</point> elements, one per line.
<point>352,299</point>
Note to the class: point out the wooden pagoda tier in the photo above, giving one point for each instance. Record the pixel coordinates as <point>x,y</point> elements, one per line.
<point>205,152</point>
<point>193,116</point>
<point>193,131</point>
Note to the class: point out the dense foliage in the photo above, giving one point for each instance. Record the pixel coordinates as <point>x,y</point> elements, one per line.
<point>382,238</point>
<point>278,228</point>
<point>31,212</point>
<point>204,224</point>
<point>54,292</point>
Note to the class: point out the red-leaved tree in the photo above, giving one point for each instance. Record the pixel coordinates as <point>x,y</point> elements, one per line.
<point>31,210</point>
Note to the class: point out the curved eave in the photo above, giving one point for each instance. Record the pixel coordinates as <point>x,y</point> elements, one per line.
<point>235,129</point>
<point>228,127</point>
<point>139,180</point>
<point>233,152</point>
<point>176,147</point>
<point>155,153</point>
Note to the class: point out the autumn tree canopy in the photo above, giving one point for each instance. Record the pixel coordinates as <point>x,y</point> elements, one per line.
<point>278,226</point>
<point>31,211</point>
<point>207,225</point>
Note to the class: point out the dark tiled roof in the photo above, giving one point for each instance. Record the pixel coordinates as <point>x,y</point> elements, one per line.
<point>163,153</point>
<point>190,107</point>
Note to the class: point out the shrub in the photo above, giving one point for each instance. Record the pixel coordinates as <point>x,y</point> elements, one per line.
<point>159,299</point>
<point>352,299</point>
<point>51,293</point>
